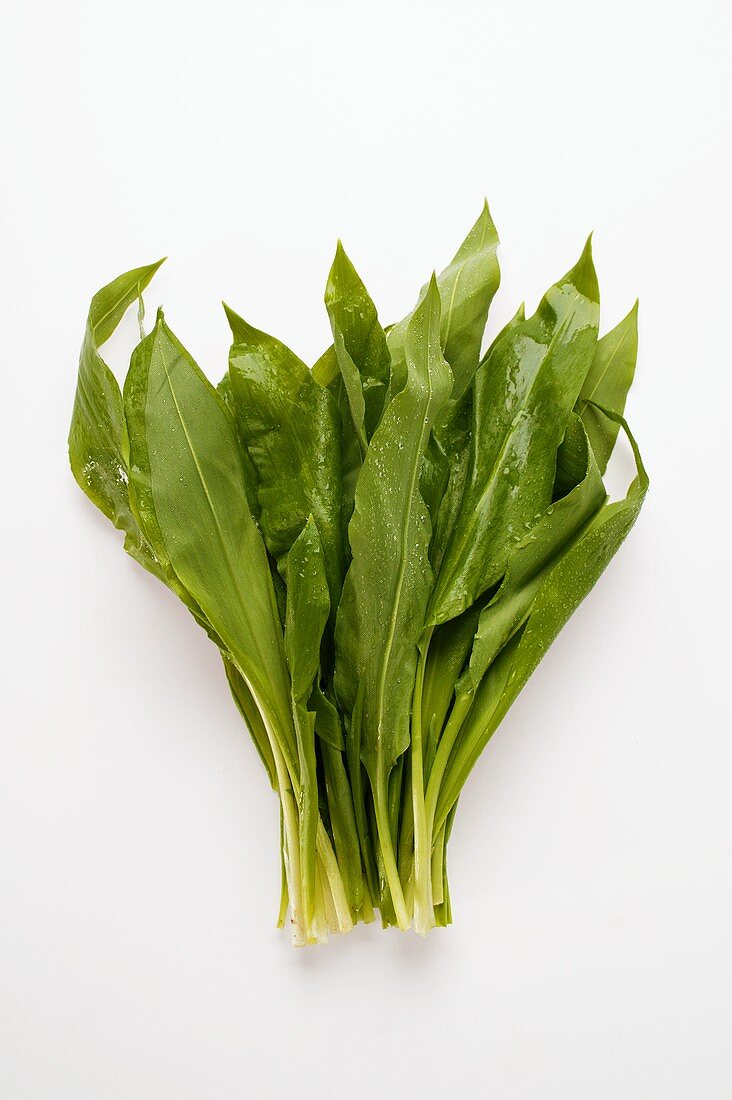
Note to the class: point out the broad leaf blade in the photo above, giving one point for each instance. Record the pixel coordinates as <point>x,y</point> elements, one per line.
<point>96,438</point>
<point>560,594</point>
<point>326,373</point>
<point>135,397</point>
<point>524,394</point>
<point>360,345</point>
<point>308,605</point>
<point>290,426</point>
<point>531,560</point>
<point>453,433</point>
<point>214,547</point>
<point>467,286</point>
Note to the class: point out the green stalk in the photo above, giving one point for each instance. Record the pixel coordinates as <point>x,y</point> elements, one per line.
<point>458,714</point>
<point>308,807</point>
<point>438,868</point>
<point>335,882</point>
<point>423,908</point>
<point>355,771</point>
<point>383,825</point>
<point>406,832</point>
<point>291,847</point>
<point>284,896</point>
<point>343,822</point>
<point>443,912</point>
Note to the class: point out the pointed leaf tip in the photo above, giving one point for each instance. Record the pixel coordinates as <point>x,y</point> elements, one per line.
<point>583,275</point>
<point>487,216</point>
<point>241,330</point>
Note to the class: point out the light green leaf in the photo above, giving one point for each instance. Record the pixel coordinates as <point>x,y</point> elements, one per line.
<point>467,286</point>
<point>96,444</point>
<point>213,545</point>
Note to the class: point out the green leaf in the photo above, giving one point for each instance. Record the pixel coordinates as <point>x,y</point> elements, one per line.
<point>199,497</point>
<point>381,614</point>
<point>326,372</point>
<point>308,605</point>
<point>529,562</point>
<point>290,427</point>
<point>467,286</point>
<point>570,580</point>
<point>607,383</point>
<point>327,719</point>
<point>524,393</point>
<point>360,345</point>
<point>140,490</point>
<point>96,444</point>
<point>326,369</point>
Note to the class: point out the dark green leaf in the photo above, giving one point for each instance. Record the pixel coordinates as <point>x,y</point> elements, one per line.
<point>560,594</point>
<point>607,384</point>
<point>360,345</point>
<point>530,561</point>
<point>381,614</point>
<point>524,394</point>
<point>290,427</point>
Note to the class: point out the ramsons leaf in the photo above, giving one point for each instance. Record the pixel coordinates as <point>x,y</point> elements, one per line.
<point>290,426</point>
<point>96,446</point>
<point>199,495</point>
<point>466,286</point>
<point>524,394</point>
<point>607,384</point>
<point>360,345</point>
<point>559,595</point>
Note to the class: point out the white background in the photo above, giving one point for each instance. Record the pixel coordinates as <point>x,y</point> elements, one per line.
<point>592,855</point>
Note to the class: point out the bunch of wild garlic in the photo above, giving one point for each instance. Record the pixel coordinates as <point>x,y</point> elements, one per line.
<point>382,547</point>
